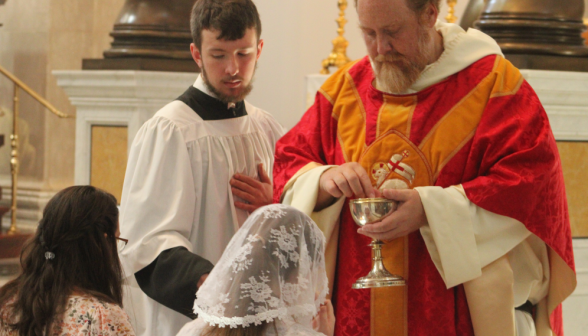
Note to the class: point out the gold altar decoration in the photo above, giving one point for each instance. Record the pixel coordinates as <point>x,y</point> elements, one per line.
<point>451,18</point>
<point>585,33</point>
<point>14,161</point>
<point>338,56</point>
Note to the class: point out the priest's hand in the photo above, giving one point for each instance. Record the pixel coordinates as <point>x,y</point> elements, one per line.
<point>348,179</point>
<point>256,193</point>
<point>408,217</point>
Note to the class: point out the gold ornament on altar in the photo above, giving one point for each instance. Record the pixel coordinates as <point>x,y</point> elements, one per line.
<point>338,56</point>
<point>451,18</point>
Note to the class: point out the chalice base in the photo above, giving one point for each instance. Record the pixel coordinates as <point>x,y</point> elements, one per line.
<point>379,275</point>
<point>380,279</point>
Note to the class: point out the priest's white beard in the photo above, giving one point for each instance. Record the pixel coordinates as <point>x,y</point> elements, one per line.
<point>396,73</point>
<point>227,99</point>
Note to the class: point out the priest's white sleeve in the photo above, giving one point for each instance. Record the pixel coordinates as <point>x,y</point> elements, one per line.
<point>499,261</point>
<point>158,199</point>
<point>463,238</point>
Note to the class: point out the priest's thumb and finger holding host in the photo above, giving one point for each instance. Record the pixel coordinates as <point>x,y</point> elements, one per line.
<point>348,179</point>
<point>351,180</point>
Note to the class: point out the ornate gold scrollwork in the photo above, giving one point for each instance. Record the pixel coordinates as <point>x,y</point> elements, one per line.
<point>338,56</point>
<point>451,18</point>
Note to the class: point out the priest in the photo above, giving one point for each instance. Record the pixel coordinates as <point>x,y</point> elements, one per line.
<point>187,167</point>
<point>437,119</point>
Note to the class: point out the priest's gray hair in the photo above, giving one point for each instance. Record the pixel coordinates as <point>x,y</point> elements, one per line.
<point>418,5</point>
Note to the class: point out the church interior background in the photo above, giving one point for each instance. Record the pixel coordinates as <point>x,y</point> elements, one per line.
<point>44,42</point>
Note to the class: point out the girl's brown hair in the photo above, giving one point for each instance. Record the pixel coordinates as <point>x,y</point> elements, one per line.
<point>78,230</point>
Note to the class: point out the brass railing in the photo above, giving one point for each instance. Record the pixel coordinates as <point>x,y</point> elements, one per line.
<point>14,163</point>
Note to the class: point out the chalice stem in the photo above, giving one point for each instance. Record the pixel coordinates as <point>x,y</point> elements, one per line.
<point>377,249</point>
<point>378,268</point>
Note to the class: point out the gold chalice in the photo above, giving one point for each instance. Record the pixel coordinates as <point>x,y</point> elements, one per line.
<point>367,211</point>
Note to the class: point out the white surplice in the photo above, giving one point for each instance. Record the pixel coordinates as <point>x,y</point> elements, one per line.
<point>177,194</point>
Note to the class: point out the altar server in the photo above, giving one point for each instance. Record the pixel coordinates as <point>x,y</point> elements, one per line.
<point>178,208</point>
<point>437,119</point>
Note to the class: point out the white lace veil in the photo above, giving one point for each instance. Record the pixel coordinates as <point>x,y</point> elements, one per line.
<point>273,268</point>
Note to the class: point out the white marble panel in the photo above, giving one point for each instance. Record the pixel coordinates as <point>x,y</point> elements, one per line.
<point>564,96</point>
<point>31,198</point>
<point>116,98</point>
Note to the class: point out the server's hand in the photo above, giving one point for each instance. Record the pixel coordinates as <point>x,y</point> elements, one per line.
<point>256,193</point>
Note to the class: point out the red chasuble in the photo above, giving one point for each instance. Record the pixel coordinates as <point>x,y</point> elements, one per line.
<point>483,128</point>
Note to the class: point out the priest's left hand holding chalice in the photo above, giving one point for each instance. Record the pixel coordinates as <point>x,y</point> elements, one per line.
<point>352,181</point>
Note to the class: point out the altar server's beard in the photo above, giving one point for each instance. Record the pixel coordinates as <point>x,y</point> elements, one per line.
<point>395,73</point>
<point>229,98</point>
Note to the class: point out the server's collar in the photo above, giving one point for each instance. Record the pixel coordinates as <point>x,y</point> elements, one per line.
<point>200,85</point>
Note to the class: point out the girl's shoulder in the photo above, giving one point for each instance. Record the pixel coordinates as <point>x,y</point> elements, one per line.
<point>6,316</point>
<point>89,315</point>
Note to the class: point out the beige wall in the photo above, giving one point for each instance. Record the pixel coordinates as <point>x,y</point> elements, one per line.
<point>39,36</point>
<point>297,37</point>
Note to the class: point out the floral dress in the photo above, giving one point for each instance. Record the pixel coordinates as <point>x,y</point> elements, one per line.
<point>86,316</point>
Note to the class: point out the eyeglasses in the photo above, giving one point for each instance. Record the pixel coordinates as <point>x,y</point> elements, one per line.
<point>121,243</point>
